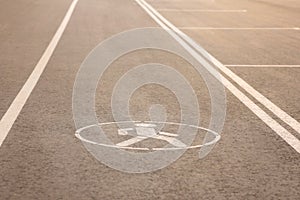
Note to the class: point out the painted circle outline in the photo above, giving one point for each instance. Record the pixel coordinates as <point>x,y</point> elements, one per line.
<point>214,141</point>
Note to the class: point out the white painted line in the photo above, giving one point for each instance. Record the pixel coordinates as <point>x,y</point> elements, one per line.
<point>168,134</point>
<point>131,141</point>
<point>201,10</point>
<point>238,28</point>
<point>15,108</point>
<point>271,66</point>
<point>274,125</point>
<point>267,103</point>
<point>175,142</point>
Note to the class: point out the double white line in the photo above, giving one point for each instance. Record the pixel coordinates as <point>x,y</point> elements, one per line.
<point>207,60</point>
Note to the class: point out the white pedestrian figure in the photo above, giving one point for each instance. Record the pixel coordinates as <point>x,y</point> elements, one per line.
<point>144,131</point>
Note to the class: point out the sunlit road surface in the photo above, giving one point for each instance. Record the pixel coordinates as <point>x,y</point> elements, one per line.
<point>254,45</point>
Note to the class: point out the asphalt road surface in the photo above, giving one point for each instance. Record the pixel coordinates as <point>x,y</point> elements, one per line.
<point>254,44</point>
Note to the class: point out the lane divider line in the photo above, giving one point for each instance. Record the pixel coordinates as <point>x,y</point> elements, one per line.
<point>262,99</point>
<point>182,39</point>
<point>18,103</point>
<point>270,66</point>
<point>201,10</point>
<point>238,28</point>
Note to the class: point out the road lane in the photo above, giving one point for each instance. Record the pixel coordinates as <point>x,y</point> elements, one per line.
<point>278,84</point>
<point>41,158</point>
<point>16,106</point>
<point>202,54</point>
<point>247,45</point>
<point>252,47</point>
<point>27,28</point>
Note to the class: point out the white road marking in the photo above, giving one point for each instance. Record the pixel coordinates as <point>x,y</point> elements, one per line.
<point>168,134</point>
<point>271,66</point>
<point>238,28</point>
<point>171,140</point>
<point>124,131</point>
<point>175,142</point>
<point>200,10</point>
<point>274,125</point>
<point>15,108</point>
<point>131,141</point>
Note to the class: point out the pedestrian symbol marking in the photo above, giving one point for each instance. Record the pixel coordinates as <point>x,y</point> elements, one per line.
<point>144,131</point>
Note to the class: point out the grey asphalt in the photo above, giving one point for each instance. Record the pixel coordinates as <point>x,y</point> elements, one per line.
<point>42,159</point>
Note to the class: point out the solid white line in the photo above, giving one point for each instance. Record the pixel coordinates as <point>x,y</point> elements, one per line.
<point>168,134</point>
<point>200,10</point>
<point>238,28</point>
<point>267,103</point>
<point>271,66</point>
<point>15,108</point>
<point>274,125</point>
